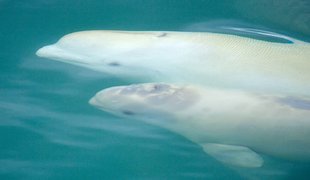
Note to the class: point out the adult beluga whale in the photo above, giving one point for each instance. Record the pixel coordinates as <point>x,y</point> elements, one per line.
<point>232,126</point>
<point>211,59</point>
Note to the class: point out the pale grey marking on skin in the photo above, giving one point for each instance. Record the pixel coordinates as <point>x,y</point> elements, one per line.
<point>136,89</point>
<point>128,90</point>
<point>160,99</point>
<point>179,99</point>
<point>296,103</point>
<point>160,87</point>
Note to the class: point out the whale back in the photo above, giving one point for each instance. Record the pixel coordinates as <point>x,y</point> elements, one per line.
<point>209,59</point>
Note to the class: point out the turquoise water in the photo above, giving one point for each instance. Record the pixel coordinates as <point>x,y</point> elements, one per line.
<point>49,131</point>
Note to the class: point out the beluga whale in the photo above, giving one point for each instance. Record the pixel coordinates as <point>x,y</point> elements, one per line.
<point>236,97</point>
<point>202,58</point>
<point>233,126</point>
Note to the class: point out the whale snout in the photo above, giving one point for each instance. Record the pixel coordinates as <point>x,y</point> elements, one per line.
<point>106,97</point>
<point>132,94</point>
<point>93,101</point>
<point>44,51</point>
<point>54,52</point>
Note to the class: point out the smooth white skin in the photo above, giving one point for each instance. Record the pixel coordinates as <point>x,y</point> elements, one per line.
<point>211,59</point>
<point>265,124</point>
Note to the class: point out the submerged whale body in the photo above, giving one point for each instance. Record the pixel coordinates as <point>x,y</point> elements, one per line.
<point>232,126</point>
<point>243,96</point>
<point>210,59</point>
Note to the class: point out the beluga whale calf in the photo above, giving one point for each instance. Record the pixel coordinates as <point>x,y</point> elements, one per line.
<point>233,126</point>
<point>203,58</point>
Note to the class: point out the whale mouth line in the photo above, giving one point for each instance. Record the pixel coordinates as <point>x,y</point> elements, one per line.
<point>59,54</point>
<point>71,61</point>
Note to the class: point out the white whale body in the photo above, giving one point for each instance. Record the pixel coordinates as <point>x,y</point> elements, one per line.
<point>232,126</point>
<point>211,59</point>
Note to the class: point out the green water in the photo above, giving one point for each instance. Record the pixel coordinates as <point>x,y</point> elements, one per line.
<point>49,131</point>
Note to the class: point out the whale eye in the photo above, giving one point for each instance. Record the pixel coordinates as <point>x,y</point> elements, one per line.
<point>127,112</point>
<point>114,64</point>
<point>162,34</point>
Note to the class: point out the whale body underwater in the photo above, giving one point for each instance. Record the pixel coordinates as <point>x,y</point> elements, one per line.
<point>230,125</point>
<point>211,59</point>
<point>236,96</point>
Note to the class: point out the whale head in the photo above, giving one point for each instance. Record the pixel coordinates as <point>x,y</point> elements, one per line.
<point>122,53</point>
<point>144,100</point>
